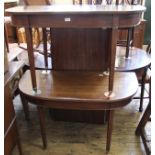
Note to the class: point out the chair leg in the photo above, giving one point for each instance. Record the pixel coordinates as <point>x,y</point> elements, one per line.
<point>25,106</point>
<point>140,128</point>
<point>109,129</point>
<point>144,119</point>
<point>142,91</point>
<point>42,125</point>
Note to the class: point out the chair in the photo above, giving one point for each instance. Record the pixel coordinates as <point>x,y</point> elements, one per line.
<point>144,77</point>
<point>145,118</point>
<point>87,2</point>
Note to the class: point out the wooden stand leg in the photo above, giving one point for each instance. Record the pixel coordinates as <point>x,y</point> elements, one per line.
<point>18,140</point>
<point>25,107</point>
<point>42,125</point>
<point>109,129</point>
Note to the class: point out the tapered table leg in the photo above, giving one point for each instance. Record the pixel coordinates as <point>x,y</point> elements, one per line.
<point>42,125</point>
<point>45,47</point>
<point>109,129</point>
<point>25,107</point>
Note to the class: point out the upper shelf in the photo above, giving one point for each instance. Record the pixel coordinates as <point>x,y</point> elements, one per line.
<point>80,9</point>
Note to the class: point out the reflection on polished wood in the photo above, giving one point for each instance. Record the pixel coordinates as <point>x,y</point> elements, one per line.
<point>138,59</point>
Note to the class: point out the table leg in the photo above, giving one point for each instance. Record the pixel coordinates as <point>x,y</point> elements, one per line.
<point>42,125</point>
<point>28,32</point>
<point>45,47</point>
<point>114,32</point>
<point>109,129</point>
<point>128,42</point>
<point>25,106</point>
<point>51,44</point>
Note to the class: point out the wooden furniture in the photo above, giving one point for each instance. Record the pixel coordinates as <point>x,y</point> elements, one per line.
<point>46,90</point>
<point>7,20</point>
<point>9,4</point>
<point>10,31</point>
<point>140,128</point>
<point>139,61</point>
<point>130,31</point>
<point>78,90</point>
<point>138,35</point>
<point>11,136</point>
<point>144,77</point>
<point>38,2</point>
<point>145,118</point>
<point>13,69</point>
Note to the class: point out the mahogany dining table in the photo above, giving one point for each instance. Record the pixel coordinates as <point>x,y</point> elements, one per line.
<point>78,79</point>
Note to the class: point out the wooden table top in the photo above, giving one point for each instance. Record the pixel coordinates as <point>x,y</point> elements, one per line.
<point>138,59</point>
<point>80,9</point>
<point>79,86</point>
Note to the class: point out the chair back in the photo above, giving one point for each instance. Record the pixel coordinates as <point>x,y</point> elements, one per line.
<point>80,2</point>
<point>37,2</point>
<point>148,50</point>
<point>108,2</point>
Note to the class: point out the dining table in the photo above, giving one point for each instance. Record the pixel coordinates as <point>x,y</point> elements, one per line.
<point>84,50</point>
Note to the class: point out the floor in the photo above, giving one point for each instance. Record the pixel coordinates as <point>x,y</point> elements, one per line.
<point>67,138</point>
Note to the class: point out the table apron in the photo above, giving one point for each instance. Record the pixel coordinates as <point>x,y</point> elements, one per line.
<point>77,21</point>
<point>78,105</point>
